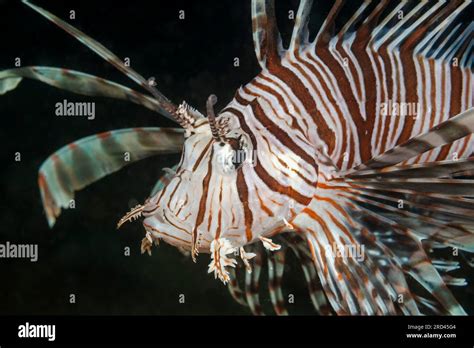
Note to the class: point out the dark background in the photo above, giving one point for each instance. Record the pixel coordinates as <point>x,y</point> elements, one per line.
<point>84,254</point>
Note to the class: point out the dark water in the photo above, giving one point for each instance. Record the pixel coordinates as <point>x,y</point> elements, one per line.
<point>84,253</point>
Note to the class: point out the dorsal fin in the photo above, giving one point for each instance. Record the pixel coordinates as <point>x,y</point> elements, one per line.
<point>266,37</point>
<point>300,30</point>
<point>327,29</point>
<point>445,133</point>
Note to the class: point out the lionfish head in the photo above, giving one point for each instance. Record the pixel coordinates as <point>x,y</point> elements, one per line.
<point>214,195</point>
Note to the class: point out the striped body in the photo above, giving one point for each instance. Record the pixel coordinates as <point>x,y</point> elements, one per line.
<point>331,92</point>
<point>348,150</point>
<point>313,101</point>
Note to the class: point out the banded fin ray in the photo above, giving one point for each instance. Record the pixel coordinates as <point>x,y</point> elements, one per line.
<point>252,283</point>
<point>234,287</point>
<point>318,298</point>
<point>425,221</point>
<point>437,200</point>
<point>165,106</point>
<point>276,267</point>
<point>290,242</point>
<point>300,35</point>
<point>8,84</point>
<point>163,181</point>
<point>266,37</point>
<point>87,160</point>
<point>76,82</point>
<point>447,132</point>
<point>391,251</point>
<point>352,285</point>
<point>439,169</point>
<point>361,209</point>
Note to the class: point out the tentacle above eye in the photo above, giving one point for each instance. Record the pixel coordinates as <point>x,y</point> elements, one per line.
<point>211,101</point>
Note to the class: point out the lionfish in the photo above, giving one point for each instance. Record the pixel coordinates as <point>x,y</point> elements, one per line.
<point>309,157</point>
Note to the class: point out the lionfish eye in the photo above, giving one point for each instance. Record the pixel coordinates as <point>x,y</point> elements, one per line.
<point>239,154</point>
<point>188,133</point>
<point>239,158</point>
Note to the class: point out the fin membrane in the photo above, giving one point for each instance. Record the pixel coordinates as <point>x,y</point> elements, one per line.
<point>87,160</point>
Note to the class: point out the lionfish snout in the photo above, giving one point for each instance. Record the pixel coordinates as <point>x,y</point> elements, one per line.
<point>169,214</point>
